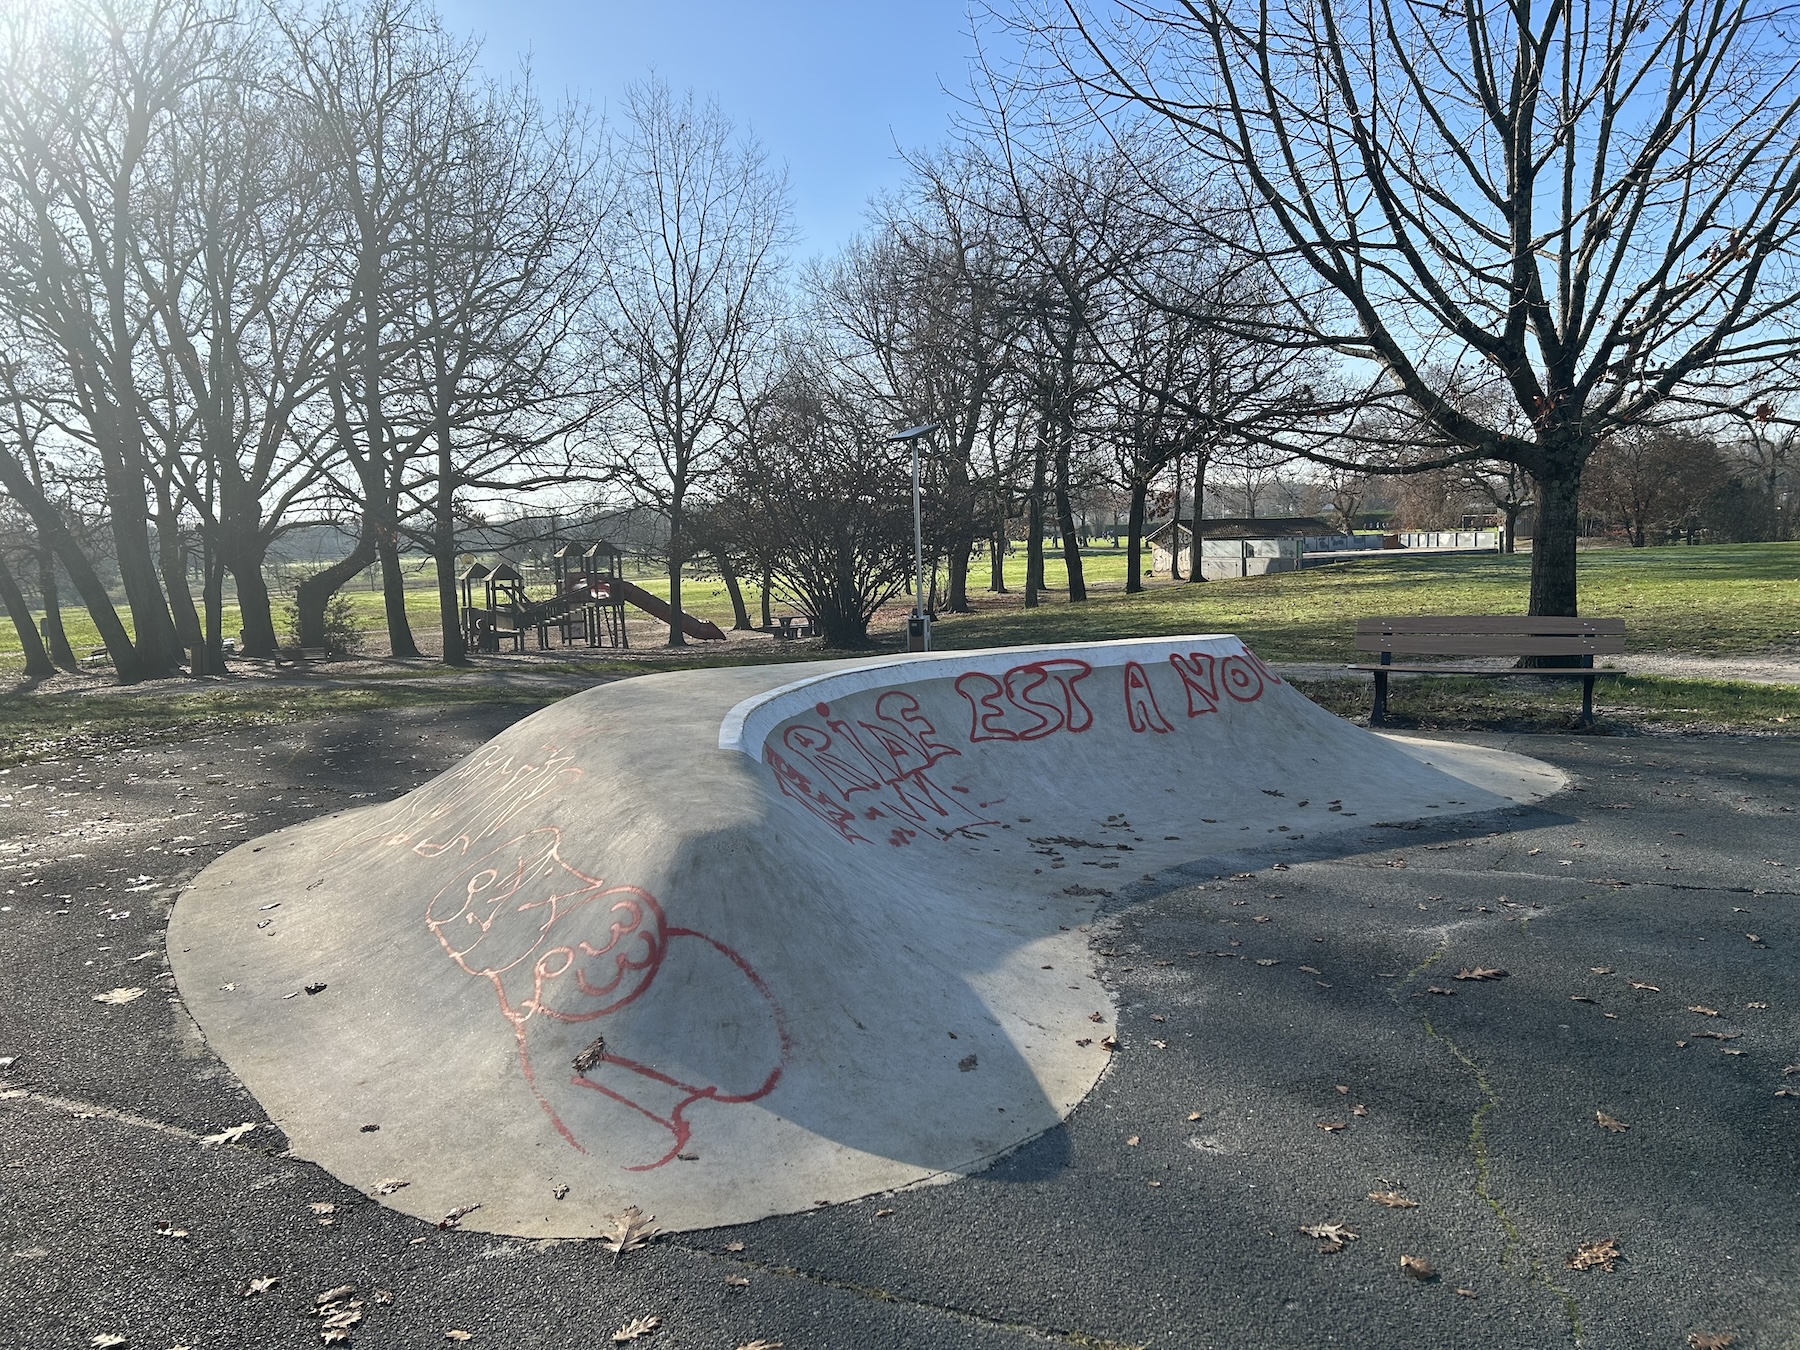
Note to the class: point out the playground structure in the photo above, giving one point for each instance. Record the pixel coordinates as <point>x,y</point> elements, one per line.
<point>735,942</point>
<point>587,606</point>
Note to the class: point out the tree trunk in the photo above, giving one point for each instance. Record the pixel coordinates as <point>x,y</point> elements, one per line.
<point>1134,540</point>
<point>676,637</point>
<point>171,559</point>
<point>740,613</point>
<point>213,602</point>
<point>127,664</point>
<point>1510,539</point>
<point>1065,520</point>
<point>768,585</point>
<point>314,593</point>
<point>38,665</point>
<point>1553,589</point>
<point>1034,529</point>
<point>1175,525</point>
<point>256,613</point>
<point>997,556</point>
<point>54,635</point>
<point>1196,567</point>
<point>443,542</point>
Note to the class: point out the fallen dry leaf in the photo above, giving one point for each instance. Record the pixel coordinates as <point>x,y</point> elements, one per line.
<point>230,1136</point>
<point>1480,973</point>
<point>1612,1123</point>
<point>108,1340</point>
<point>1264,961</point>
<point>1581,998</point>
<point>166,1228</point>
<point>638,1326</point>
<point>1704,1012</point>
<point>1639,984</point>
<point>1193,1115</point>
<point>459,1335</point>
<point>880,1214</point>
<point>1330,1233</point>
<point>120,995</point>
<point>1393,1200</point>
<point>1109,1043</point>
<point>322,1207</point>
<point>1330,1126</point>
<point>1601,1252</point>
<point>1418,1267</point>
<point>628,1232</point>
<point>1465,1293</point>
<point>737,1281</point>
<point>455,1217</point>
<point>1434,989</point>
<point>1359,1110</point>
<point>388,1185</point>
<point>1132,1141</point>
<point>260,1284</point>
<point>760,1344</point>
<point>1710,1340</point>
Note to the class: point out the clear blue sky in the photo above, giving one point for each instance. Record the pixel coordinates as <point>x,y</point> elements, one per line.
<point>829,86</point>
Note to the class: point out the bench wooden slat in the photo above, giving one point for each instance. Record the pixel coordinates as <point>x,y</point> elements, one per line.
<point>1490,644</point>
<point>1520,624</point>
<point>1549,672</point>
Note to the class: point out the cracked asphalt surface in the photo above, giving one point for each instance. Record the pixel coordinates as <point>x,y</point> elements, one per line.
<point>1646,922</point>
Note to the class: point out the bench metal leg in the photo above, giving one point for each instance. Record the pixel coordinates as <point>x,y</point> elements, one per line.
<point>1587,701</point>
<point>1378,714</point>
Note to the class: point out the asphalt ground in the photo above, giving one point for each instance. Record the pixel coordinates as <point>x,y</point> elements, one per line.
<point>1646,922</point>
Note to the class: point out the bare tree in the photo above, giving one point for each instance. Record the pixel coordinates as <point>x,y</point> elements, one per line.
<point>1651,477</point>
<point>500,275</point>
<point>1588,205</point>
<point>84,91</point>
<point>690,261</point>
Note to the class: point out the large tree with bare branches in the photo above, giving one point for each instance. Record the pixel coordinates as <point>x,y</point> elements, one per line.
<point>1588,207</point>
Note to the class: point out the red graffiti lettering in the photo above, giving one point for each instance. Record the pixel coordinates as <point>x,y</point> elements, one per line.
<point>1199,678</point>
<point>1043,691</point>
<point>1140,701</point>
<point>1241,678</point>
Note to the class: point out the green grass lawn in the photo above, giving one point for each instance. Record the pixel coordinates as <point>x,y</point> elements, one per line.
<point>1715,600</point>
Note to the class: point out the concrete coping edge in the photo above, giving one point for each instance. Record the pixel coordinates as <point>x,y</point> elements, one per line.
<point>747,725</point>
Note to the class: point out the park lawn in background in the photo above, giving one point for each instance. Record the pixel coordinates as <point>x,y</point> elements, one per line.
<point>1710,600</point>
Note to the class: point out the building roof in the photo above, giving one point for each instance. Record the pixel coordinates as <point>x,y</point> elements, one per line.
<point>1245,527</point>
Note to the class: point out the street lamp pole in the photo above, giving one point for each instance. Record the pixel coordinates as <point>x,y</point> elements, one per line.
<point>918,629</point>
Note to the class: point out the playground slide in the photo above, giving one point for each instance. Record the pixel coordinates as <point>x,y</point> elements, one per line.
<point>650,604</point>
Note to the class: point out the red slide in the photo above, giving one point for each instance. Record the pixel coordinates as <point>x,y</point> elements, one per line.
<point>650,604</point>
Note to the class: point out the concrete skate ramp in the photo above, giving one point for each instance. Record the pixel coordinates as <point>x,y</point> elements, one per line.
<point>730,943</point>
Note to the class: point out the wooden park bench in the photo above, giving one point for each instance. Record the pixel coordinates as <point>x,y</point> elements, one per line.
<point>1489,635</point>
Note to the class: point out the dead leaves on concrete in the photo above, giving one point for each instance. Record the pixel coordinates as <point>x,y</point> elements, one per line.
<point>636,1329</point>
<point>1393,1200</point>
<point>1418,1267</point>
<point>1609,1122</point>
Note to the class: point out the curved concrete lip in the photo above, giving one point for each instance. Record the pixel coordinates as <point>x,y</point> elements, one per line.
<point>731,943</point>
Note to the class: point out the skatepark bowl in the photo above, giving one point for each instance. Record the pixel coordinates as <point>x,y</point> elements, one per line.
<point>729,943</point>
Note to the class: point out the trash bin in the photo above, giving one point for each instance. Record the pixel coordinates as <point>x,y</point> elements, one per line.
<point>918,632</point>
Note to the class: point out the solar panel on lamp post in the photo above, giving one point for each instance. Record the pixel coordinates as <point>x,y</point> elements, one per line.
<point>918,628</point>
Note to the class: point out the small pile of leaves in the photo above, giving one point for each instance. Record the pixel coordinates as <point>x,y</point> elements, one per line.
<point>338,1310</point>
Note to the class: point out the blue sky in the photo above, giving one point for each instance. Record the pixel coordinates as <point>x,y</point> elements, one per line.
<point>829,86</point>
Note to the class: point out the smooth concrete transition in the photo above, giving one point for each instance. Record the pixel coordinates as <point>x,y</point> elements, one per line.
<point>730,943</point>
